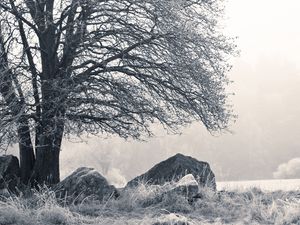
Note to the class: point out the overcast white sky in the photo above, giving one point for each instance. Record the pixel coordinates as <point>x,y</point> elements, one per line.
<point>266,83</point>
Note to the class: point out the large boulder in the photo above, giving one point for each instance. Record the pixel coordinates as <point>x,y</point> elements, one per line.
<point>9,172</point>
<point>85,183</point>
<point>176,167</point>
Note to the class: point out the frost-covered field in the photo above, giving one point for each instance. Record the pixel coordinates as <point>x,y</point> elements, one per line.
<point>147,205</point>
<point>266,185</point>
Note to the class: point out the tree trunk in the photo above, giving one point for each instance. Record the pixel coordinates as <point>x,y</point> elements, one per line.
<point>26,152</point>
<point>15,104</point>
<point>49,136</point>
<point>46,169</point>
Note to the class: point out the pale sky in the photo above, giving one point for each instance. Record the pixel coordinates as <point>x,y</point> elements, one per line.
<point>266,84</point>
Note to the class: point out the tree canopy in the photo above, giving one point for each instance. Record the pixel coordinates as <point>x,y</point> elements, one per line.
<point>108,66</point>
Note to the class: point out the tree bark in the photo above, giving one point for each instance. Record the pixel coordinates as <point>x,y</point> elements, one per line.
<point>46,168</point>
<point>26,152</point>
<point>49,138</point>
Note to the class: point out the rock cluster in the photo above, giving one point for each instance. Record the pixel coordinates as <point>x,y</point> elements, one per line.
<point>184,175</point>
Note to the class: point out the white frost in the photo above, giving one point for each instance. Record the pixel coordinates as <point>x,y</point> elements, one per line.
<point>187,180</point>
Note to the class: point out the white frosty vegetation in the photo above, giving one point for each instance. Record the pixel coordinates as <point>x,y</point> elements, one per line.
<point>187,180</point>
<point>141,205</point>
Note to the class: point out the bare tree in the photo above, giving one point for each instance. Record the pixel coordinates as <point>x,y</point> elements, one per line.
<point>107,67</point>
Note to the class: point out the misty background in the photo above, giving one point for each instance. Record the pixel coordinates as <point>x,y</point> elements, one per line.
<point>264,142</point>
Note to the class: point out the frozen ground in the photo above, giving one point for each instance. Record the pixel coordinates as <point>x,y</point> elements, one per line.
<point>147,205</point>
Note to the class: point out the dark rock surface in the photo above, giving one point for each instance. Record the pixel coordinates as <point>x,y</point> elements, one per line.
<point>85,183</point>
<point>176,167</point>
<point>9,172</point>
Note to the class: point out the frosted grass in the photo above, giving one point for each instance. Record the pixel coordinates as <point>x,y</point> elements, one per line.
<point>265,185</point>
<point>149,205</point>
